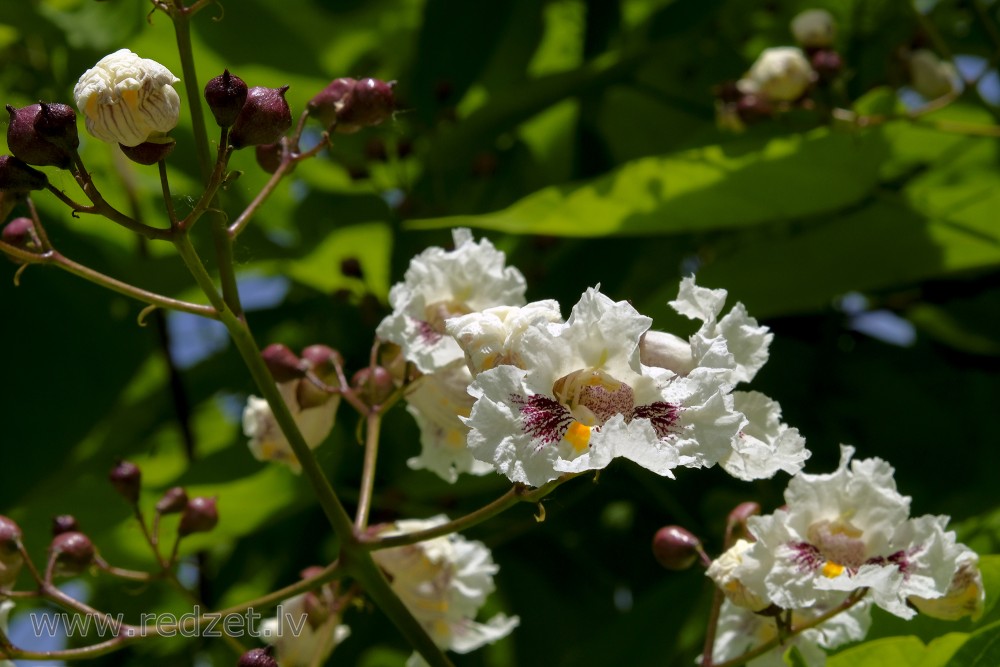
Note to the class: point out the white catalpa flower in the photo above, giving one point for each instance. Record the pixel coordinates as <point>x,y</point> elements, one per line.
<point>930,76</point>
<point>765,445</point>
<point>437,402</point>
<point>492,337</point>
<point>582,398</point>
<point>444,582</point>
<point>301,638</point>
<point>845,531</point>
<point>126,98</point>
<point>726,572</point>
<point>440,284</point>
<point>781,73</point>
<point>741,630</point>
<point>814,28</point>
<point>268,443</point>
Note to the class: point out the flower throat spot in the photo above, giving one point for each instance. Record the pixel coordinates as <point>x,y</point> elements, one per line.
<point>578,435</point>
<point>831,570</point>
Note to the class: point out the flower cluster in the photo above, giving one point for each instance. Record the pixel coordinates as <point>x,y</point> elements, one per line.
<point>313,408</point>
<point>783,76</point>
<point>516,388</point>
<point>444,582</point>
<point>844,537</point>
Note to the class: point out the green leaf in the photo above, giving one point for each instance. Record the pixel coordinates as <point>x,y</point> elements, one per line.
<point>981,649</point>
<point>712,188</point>
<point>895,651</point>
<point>793,658</point>
<point>370,244</point>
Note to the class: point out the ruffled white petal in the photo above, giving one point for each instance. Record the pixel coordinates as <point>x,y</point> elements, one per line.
<point>440,284</point>
<point>736,342</point>
<point>438,402</point>
<point>765,445</point>
<point>494,336</point>
<point>444,582</point>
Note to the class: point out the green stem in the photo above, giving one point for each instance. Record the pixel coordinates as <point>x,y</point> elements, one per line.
<point>168,201</point>
<point>353,555</point>
<point>191,259</point>
<point>223,243</point>
<point>326,496</point>
<point>102,207</point>
<point>57,259</point>
<point>290,156</point>
<point>371,578</point>
<point>374,427</point>
<point>851,600</point>
<point>83,653</point>
<point>713,625</point>
<point>515,495</point>
<point>182,30</point>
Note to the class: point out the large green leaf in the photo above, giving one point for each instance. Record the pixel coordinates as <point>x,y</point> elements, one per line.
<point>734,185</point>
<point>901,651</point>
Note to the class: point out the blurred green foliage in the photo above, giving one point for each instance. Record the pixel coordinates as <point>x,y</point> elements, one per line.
<point>581,136</point>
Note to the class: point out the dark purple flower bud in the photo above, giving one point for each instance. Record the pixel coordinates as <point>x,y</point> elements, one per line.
<point>827,63</point>
<point>11,559</point>
<point>324,106</point>
<point>226,94</point>
<point>17,176</point>
<point>200,516</point>
<point>736,523</point>
<point>174,500</point>
<point>268,157</point>
<point>258,657</point>
<point>753,108</point>
<point>64,523</point>
<point>676,548</point>
<point>57,123</point>
<point>370,103</point>
<point>347,105</point>
<point>127,480</point>
<point>20,233</point>
<point>263,119</point>
<point>149,152</point>
<point>322,359</point>
<point>374,385</point>
<point>43,134</point>
<point>73,552</point>
<point>282,363</point>
<point>10,535</point>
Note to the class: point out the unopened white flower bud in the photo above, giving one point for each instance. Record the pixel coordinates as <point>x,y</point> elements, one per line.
<point>930,76</point>
<point>665,350</point>
<point>126,98</point>
<point>814,28</point>
<point>781,74</point>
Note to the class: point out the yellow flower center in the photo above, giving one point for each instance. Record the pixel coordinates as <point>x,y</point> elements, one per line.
<point>578,435</point>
